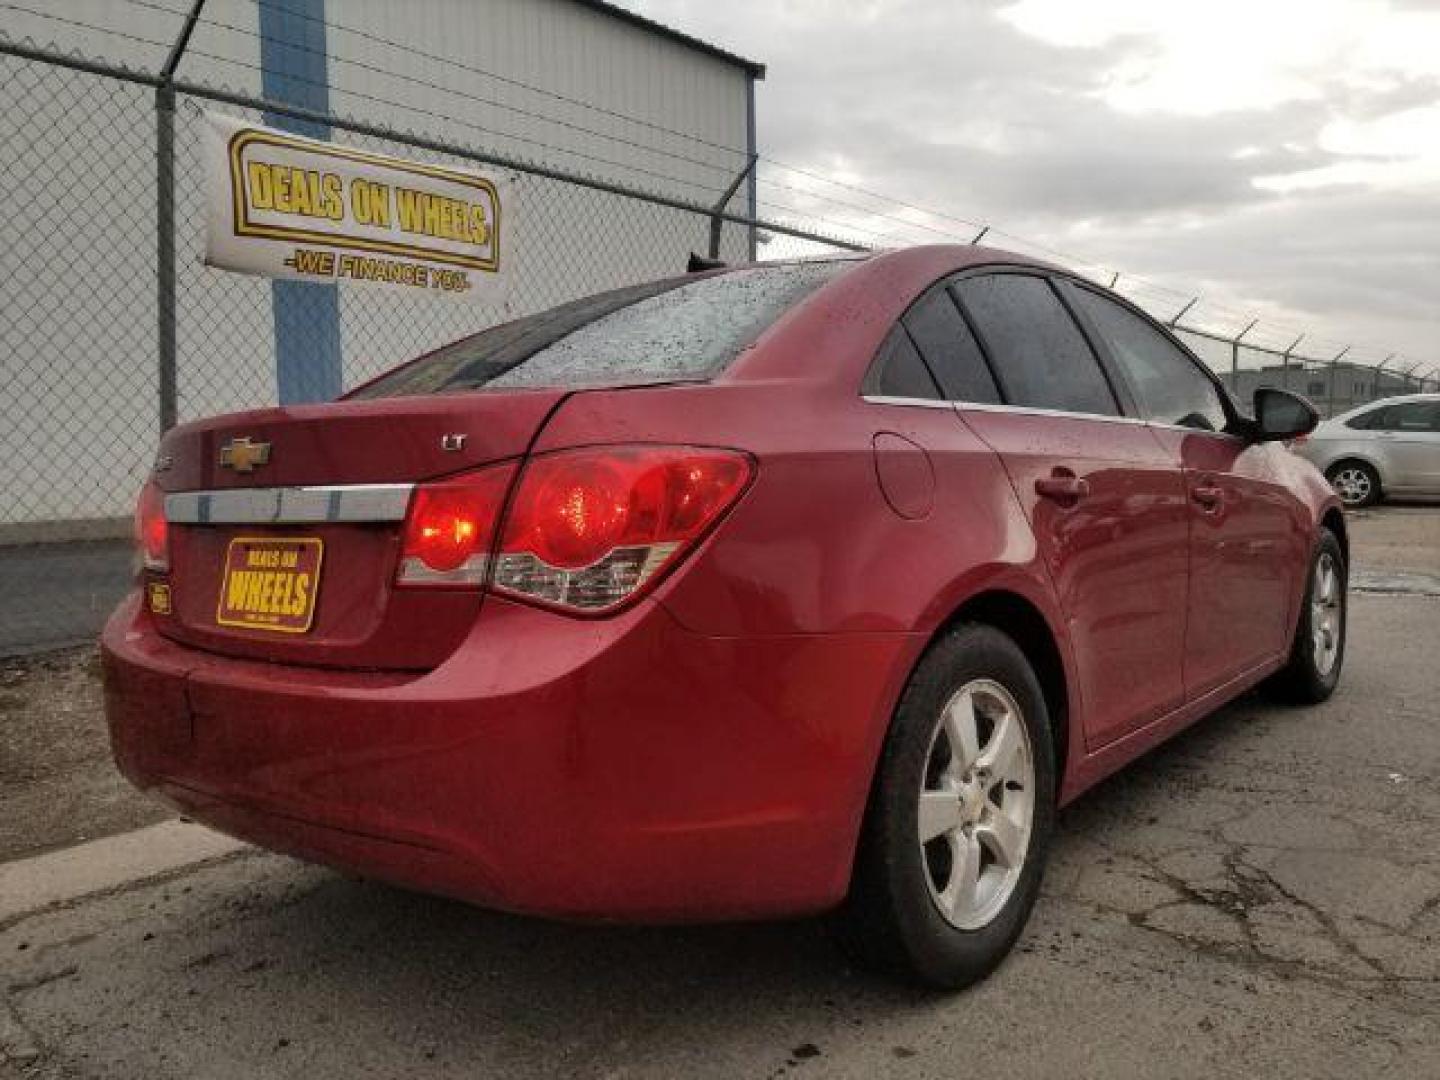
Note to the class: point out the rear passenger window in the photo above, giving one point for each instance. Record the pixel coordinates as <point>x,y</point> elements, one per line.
<point>1406,416</point>
<point>898,370</point>
<point>950,349</point>
<point>1038,353</point>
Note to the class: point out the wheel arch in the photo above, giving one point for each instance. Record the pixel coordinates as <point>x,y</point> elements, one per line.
<point>1020,619</point>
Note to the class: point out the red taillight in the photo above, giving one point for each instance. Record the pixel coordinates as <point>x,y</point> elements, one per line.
<point>450,527</point>
<point>152,532</point>
<point>591,529</point>
<point>587,530</point>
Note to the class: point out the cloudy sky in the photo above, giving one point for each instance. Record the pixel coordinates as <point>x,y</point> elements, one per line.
<point>1282,157</point>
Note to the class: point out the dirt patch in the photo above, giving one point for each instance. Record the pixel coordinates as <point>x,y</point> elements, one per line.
<point>58,785</point>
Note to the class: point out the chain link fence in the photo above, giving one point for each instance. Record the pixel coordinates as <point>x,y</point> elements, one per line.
<point>90,379</point>
<point>98,360</point>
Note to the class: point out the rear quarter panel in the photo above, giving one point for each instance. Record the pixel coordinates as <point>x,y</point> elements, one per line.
<point>814,552</point>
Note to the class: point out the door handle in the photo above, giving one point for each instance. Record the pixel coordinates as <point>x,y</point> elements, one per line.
<point>1062,486</point>
<point>1207,495</point>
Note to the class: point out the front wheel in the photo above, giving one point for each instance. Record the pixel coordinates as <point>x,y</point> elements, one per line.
<point>1357,483</point>
<point>960,816</point>
<point>1318,651</point>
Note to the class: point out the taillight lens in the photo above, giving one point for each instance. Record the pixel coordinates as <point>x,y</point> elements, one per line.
<point>591,529</point>
<point>152,532</point>
<point>450,528</point>
<point>587,530</point>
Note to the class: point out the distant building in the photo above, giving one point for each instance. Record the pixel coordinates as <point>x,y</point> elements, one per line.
<point>1332,388</point>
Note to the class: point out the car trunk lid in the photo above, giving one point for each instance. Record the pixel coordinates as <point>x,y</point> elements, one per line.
<point>285,525</point>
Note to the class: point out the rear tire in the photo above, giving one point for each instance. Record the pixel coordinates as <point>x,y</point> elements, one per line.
<point>1356,483</point>
<point>1318,651</point>
<point>969,761</point>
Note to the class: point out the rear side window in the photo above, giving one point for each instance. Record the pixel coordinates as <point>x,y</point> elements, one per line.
<point>681,329</point>
<point>1403,416</point>
<point>898,370</point>
<point>950,349</point>
<point>1038,353</point>
<point>1171,389</point>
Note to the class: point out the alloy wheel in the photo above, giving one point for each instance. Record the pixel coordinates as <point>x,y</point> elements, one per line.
<point>1353,485</point>
<point>977,804</point>
<point>1327,614</point>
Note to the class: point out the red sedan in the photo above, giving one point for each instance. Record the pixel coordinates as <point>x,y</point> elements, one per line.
<point>759,592</point>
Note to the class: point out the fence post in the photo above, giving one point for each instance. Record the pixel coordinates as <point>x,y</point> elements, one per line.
<point>165,223</point>
<point>715,220</point>
<point>1334,373</point>
<point>1175,322</point>
<point>1285,362</point>
<point>1379,374</point>
<point>1235,356</point>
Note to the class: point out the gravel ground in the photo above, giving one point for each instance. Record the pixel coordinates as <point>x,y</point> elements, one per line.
<point>57,783</point>
<point>1259,897</point>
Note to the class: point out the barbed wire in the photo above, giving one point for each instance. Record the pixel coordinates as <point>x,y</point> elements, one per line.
<point>721,170</point>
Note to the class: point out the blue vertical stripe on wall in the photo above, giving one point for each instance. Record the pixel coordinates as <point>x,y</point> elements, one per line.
<point>307,315</point>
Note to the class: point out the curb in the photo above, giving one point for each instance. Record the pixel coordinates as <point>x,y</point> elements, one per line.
<point>31,885</point>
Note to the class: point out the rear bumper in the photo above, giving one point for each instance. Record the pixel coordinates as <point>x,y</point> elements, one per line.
<point>623,768</point>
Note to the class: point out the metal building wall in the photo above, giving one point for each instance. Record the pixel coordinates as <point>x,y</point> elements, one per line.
<point>606,98</point>
<point>568,49</point>
<point>612,100</point>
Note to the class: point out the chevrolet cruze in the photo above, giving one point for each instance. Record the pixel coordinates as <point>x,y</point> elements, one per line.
<point>783,589</point>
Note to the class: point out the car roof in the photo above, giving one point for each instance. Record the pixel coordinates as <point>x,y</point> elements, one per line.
<point>1394,399</point>
<point>846,318</point>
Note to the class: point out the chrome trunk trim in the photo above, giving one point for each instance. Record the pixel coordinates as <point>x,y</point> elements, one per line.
<point>290,505</point>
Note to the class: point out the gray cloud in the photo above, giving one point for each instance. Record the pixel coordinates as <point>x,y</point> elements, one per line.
<point>949,106</point>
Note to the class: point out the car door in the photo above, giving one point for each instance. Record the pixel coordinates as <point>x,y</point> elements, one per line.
<point>1105,502</point>
<point>1409,437</point>
<point>1248,535</point>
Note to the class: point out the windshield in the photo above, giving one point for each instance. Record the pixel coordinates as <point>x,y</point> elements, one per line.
<point>679,329</point>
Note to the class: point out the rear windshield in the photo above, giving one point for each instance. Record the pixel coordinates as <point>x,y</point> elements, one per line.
<point>677,330</point>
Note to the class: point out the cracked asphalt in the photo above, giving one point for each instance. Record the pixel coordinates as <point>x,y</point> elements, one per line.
<point>1258,898</point>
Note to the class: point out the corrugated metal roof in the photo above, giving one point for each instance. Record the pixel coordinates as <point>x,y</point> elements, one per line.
<point>754,68</point>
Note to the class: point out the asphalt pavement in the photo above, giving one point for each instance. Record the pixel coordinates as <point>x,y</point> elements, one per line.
<point>1258,898</point>
<point>59,594</point>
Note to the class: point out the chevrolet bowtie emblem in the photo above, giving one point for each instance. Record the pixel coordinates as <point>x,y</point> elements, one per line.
<point>244,456</point>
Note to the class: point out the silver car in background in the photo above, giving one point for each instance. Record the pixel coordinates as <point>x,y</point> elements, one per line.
<point>1386,448</point>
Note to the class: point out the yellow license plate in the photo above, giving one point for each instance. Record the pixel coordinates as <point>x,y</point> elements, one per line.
<point>270,583</point>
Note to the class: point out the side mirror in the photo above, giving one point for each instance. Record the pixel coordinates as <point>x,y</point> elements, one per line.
<point>1280,414</point>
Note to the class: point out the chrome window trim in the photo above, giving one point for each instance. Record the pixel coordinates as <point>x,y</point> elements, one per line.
<point>1160,424</point>
<point>1035,410</point>
<point>1022,410</point>
<point>355,503</point>
<point>914,403</point>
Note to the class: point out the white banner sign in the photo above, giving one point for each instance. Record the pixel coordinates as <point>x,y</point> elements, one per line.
<point>286,206</point>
